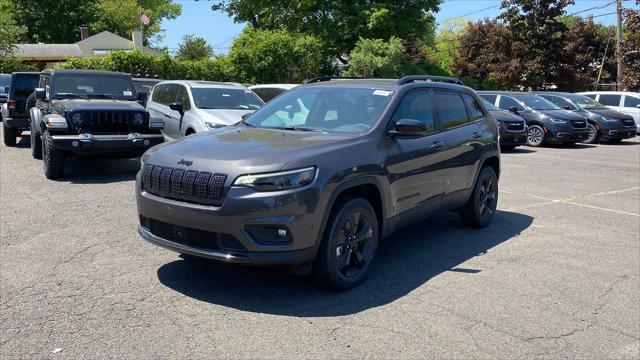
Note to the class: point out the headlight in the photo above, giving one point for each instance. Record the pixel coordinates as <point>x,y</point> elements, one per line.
<point>138,119</point>
<point>558,121</point>
<point>214,125</point>
<point>609,119</point>
<point>76,119</point>
<point>279,180</point>
<point>55,122</point>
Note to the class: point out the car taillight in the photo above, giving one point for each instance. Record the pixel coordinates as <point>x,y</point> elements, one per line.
<point>11,104</point>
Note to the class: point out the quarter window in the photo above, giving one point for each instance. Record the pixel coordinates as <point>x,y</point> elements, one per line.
<point>630,101</point>
<point>609,100</point>
<point>451,109</point>
<point>473,107</point>
<point>416,105</point>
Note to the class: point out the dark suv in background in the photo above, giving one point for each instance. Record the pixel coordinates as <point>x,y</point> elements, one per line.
<point>89,113</point>
<point>312,180</point>
<point>512,128</point>
<point>604,123</point>
<point>547,122</point>
<point>15,115</point>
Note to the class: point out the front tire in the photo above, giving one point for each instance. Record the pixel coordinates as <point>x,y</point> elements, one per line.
<point>52,158</point>
<point>535,136</point>
<point>36,145</point>
<point>349,244</point>
<point>592,137</point>
<point>9,135</point>
<point>481,207</point>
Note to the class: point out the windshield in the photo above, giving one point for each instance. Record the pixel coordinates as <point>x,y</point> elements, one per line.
<point>586,102</point>
<point>536,102</point>
<point>563,103</point>
<point>488,104</point>
<point>321,109</point>
<point>219,98</point>
<point>93,86</point>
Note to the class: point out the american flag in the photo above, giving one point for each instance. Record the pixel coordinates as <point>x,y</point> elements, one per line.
<point>144,18</point>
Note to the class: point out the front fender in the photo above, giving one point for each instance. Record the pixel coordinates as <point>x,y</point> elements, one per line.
<point>34,115</point>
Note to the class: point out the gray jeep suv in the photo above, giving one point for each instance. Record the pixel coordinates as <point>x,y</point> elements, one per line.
<point>316,177</point>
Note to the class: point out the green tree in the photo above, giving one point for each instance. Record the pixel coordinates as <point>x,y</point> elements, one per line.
<point>537,36</point>
<point>376,58</point>
<point>447,42</point>
<point>630,50</point>
<point>58,21</point>
<point>194,48</point>
<point>266,56</point>
<point>10,32</point>
<point>339,24</point>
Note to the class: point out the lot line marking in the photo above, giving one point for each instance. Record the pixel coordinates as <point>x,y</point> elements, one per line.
<point>599,208</point>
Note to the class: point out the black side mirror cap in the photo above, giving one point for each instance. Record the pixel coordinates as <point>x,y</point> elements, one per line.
<point>567,107</point>
<point>143,96</point>
<point>245,116</point>
<point>513,109</point>
<point>408,128</point>
<point>41,94</point>
<point>176,106</point>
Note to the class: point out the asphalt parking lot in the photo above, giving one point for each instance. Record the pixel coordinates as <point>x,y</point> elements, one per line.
<point>556,275</point>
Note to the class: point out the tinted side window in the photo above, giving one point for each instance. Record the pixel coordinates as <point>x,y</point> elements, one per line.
<point>474,109</point>
<point>609,100</point>
<point>24,85</point>
<point>416,105</point>
<point>507,102</point>
<point>489,98</point>
<point>630,101</point>
<point>451,109</point>
<point>183,98</point>
<point>157,93</point>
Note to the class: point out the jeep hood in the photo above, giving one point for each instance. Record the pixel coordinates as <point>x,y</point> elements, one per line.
<point>240,150</point>
<point>60,106</point>
<point>223,116</point>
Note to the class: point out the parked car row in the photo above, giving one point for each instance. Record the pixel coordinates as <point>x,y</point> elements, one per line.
<point>311,180</point>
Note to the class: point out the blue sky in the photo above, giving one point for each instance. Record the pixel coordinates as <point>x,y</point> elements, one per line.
<point>218,29</point>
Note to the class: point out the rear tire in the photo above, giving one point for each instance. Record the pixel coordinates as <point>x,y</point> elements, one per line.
<point>9,135</point>
<point>592,137</point>
<point>481,207</point>
<point>349,244</point>
<point>535,136</point>
<point>36,145</point>
<point>52,158</point>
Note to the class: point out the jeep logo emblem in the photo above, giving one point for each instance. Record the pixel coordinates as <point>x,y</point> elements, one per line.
<point>185,162</point>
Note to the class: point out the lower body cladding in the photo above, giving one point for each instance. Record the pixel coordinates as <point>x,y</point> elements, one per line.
<point>617,133</point>
<point>513,138</point>
<point>125,145</point>
<point>262,228</point>
<point>567,135</point>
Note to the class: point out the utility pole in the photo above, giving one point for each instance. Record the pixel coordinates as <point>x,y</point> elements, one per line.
<point>619,40</point>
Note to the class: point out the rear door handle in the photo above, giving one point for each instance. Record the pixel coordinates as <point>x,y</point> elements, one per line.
<point>477,134</point>
<point>437,144</point>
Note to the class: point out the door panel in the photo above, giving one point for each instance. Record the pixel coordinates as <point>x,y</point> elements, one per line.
<point>415,165</point>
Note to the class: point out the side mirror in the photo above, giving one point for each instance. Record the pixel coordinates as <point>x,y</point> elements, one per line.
<point>142,97</point>
<point>567,107</point>
<point>245,116</point>
<point>408,128</point>
<point>176,106</point>
<point>513,109</point>
<point>41,94</point>
<point>638,106</point>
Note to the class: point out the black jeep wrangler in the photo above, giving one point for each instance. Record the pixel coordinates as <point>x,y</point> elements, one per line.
<point>84,112</point>
<point>15,113</point>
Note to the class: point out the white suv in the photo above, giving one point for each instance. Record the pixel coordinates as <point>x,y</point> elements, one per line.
<point>190,107</point>
<point>626,102</point>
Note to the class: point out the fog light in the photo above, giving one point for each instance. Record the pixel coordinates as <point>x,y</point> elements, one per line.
<point>282,232</point>
<point>75,144</point>
<point>146,142</point>
<point>268,235</point>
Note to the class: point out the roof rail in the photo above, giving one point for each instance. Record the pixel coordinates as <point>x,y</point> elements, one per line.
<point>413,78</point>
<point>329,78</point>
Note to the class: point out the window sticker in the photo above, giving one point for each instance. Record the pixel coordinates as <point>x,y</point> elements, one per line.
<point>382,92</point>
<point>127,93</point>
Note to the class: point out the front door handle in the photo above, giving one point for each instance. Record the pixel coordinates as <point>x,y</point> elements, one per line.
<point>437,144</point>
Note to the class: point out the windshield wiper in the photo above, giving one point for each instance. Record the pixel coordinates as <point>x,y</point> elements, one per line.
<point>301,128</point>
<point>105,96</point>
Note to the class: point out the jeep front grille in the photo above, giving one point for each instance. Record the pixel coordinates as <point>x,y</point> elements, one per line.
<point>200,239</point>
<point>107,122</point>
<point>199,187</point>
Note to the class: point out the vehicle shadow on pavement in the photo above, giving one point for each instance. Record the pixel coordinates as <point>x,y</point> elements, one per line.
<point>519,150</point>
<point>405,261</point>
<point>100,171</point>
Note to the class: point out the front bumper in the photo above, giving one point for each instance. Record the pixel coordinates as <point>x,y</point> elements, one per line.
<point>566,133</point>
<point>295,211</point>
<point>512,138</point>
<point>617,132</point>
<point>17,123</point>
<point>131,143</point>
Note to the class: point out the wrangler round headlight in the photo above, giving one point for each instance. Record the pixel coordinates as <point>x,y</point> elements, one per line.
<point>76,119</point>
<point>279,180</point>
<point>138,119</point>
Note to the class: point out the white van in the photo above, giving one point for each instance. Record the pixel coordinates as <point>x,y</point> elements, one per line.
<point>626,102</point>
